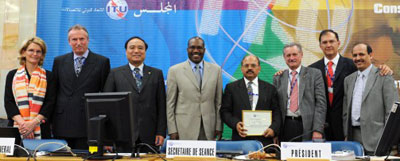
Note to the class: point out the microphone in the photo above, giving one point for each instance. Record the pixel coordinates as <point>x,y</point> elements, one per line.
<point>308,132</point>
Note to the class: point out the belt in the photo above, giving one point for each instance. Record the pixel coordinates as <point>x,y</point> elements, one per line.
<point>356,127</point>
<point>294,118</point>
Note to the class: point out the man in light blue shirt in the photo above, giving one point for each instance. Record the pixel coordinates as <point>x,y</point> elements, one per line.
<point>368,99</point>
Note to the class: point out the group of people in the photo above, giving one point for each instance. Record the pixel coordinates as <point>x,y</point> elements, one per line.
<point>335,98</point>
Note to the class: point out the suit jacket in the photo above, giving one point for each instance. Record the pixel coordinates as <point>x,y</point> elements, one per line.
<point>47,107</point>
<point>334,120</point>
<point>312,101</point>
<point>187,105</point>
<point>377,99</point>
<point>236,99</point>
<point>148,103</point>
<point>70,115</point>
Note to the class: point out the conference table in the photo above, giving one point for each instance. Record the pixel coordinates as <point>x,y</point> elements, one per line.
<point>151,157</point>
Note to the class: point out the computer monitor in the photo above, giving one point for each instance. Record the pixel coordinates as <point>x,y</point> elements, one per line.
<point>110,118</point>
<point>391,132</point>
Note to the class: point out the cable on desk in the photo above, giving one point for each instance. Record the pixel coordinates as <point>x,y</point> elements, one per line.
<point>48,143</point>
<point>26,151</point>
<point>276,148</point>
<point>151,147</point>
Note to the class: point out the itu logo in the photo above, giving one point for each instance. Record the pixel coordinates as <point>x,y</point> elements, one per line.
<point>117,9</point>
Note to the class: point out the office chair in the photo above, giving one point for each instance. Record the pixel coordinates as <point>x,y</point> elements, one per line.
<point>347,145</point>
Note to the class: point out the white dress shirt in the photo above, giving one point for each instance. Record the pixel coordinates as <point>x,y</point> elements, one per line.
<point>358,91</point>
<point>290,113</point>
<point>254,86</point>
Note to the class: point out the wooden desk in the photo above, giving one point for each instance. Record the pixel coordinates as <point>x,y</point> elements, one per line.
<point>53,158</point>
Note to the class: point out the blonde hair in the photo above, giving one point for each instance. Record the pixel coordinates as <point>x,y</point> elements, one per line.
<point>37,41</point>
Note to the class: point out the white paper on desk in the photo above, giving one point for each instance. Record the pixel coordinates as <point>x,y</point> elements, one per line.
<point>7,146</point>
<point>306,150</point>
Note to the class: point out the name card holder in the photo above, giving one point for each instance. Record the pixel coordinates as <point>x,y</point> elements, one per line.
<point>191,148</point>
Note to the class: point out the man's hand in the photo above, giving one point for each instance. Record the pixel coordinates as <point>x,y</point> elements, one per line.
<point>280,72</point>
<point>240,129</point>
<point>269,133</point>
<point>217,135</point>
<point>174,136</point>
<point>276,140</point>
<point>385,70</point>
<point>159,140</point>
<point>316,135</point>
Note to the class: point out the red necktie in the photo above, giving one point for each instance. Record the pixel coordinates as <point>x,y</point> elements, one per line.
<point>329,77</point>
<point>294,94</point>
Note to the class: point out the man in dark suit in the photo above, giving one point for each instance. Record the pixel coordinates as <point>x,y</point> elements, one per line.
<point>301,98</point>
<point>335,68</point>
<point>148,92</point>
<point>262,96</point>
<point>76,73</point>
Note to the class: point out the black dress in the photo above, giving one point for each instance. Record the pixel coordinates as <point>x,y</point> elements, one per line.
<point>46,110</point>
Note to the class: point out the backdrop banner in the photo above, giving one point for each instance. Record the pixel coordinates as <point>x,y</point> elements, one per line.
<point>231,29</point>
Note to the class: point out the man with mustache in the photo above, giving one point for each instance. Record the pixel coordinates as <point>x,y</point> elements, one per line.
<point>334,69</point>
<point>302,99</point>
<point>194,91</point>
<point>76,73</point>
<point>250,93</point>
<point>368,99</point>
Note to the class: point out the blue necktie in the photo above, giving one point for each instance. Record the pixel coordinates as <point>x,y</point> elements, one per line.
<point>78,65</point>
<point>138,78</point>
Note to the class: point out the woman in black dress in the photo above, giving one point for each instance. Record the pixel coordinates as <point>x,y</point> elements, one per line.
<point>30,92</point>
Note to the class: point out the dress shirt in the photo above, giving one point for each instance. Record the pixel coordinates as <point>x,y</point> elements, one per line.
<point>254,86</point>
<point>201,65</point>
<point>133,67</point>
<point>290,113</point>
<point>335,61</point>
<point>85,55</point>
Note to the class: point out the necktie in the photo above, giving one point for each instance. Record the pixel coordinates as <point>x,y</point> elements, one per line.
<point>250,92</point>
<point>138,78</point>
<point>197,74</point>
<point>329,78</point>
<point>294,93</point>
<point>78,65</point>
<point>357,97</point>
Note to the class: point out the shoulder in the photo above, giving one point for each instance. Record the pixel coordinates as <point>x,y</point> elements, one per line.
<point>98,56</point>
<point>119,69</point>
<point>281,75</point>
<point>352,75</point>
<point>177,66</point>
<point>212,65</point>
<point>153,69</point>
<point>266,84</point>
<point>62,57</point>
<point>11,74</point>
<point>317,63</point>
<point>234,83</point>
<point>312,70</point>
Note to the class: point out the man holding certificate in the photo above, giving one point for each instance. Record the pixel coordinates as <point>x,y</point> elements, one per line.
<point>250,105</point>
<point>302,98</point>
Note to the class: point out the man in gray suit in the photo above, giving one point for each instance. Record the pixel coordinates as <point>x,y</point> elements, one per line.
<point>368,98</point>
<point>194,94</point>
<point>302,99</point>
